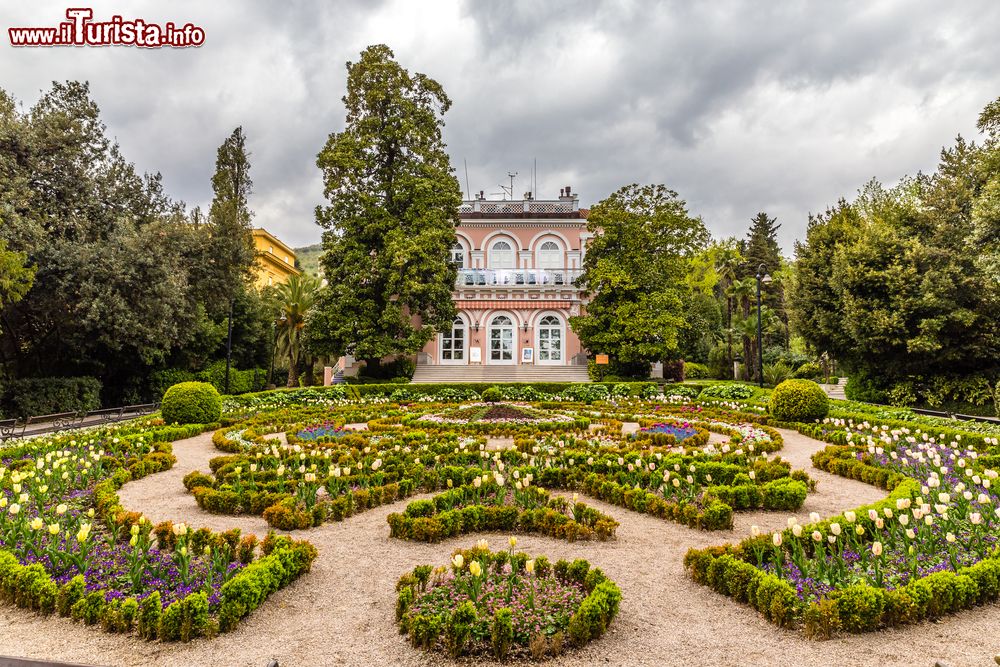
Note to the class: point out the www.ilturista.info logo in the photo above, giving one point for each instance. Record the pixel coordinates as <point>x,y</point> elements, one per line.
<point>80,30</point>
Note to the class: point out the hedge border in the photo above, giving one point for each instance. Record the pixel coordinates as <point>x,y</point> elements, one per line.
<point>547,520</point>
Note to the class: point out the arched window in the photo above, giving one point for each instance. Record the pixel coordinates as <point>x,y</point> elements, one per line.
<point>501,340</point>
<point>550,340</point>
<point>501,255</point>
<point>550,256</point>
<point>458,255</point>
<point>453,343</point>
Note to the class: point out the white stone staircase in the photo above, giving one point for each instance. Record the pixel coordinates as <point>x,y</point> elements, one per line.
<point>499,374</point>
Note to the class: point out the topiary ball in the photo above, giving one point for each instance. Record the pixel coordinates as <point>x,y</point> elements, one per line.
<point>798,401</point>
<point>492,395</point>
<point>191,403</point>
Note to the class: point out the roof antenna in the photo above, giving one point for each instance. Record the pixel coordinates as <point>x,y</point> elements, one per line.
<point>509,190</point>
<point>534,178</point>
<point>468,188</point>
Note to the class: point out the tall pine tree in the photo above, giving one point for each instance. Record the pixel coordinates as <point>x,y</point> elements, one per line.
<point>391,218</point>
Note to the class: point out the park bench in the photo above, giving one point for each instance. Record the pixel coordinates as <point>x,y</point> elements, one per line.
<point>9,428</point>
<point>107,415</point>
<point>140,410</point>
<point>56,421</point>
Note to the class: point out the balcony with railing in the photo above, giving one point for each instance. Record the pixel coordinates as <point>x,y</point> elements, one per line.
<point>565,207</point>
<point>539,278</point>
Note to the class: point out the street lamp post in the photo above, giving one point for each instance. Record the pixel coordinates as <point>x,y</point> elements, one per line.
<point>762,277</point>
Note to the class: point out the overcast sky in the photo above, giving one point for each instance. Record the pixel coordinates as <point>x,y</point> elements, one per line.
<point>738,106</point>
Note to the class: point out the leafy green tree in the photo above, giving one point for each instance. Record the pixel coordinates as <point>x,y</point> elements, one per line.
<point>393,206</point>
<point>814,301</point>
<point>985,245</point>
<point>110,294</point>
<point>291,301</point>
<point>231,240</point>
<point>635,274</point>
<point>231,246</point>
<point>760,248</point>
<point>15,277</point>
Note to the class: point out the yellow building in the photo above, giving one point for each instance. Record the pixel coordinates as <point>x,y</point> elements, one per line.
<point>276,261</point>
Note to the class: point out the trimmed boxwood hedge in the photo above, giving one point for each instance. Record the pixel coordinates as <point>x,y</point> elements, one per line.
<point>42,396</point>
<point>450,390</point>
<point>798,401</point>
<point>191,403</point>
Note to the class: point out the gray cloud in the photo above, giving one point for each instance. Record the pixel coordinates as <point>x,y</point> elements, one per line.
<point>739,106</point>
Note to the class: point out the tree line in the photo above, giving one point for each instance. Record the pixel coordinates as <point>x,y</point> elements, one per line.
<point>102,274</point>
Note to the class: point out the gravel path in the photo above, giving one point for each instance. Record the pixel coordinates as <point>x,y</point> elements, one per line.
<point>342,612</point>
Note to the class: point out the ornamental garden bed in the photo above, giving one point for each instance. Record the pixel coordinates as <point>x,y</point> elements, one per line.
<point>335,474</point>
<point>486,505</point>
<point>505,604</point>
<point>929,549</point>
<point>67,546</point>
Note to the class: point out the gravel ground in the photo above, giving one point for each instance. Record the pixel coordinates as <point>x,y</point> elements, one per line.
<point>342,612</point>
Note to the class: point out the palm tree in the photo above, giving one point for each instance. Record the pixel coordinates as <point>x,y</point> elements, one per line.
<point>291,301</point>
<point>742,291</point>
<point>727,264</point>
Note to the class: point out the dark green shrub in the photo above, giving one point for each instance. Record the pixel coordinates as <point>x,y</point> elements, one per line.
<point>860,607</point>
<point>784,494</point>
<point>240,382</point>
<point>191,403</point>
<point>808,371</point>
<point>865,388</point>
<point>160,381</point>
<point>71,592</point>
<point>459,627</point>
<point>695,371</point>
<point>798,401</point>
<point>42,396</point>
<point>728,392</point>
<point>502,632</point>
<point>492,395</point>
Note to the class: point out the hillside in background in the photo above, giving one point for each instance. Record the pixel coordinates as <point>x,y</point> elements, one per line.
<point>308,258</point>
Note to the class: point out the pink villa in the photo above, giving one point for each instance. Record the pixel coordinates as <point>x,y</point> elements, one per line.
<point>517,261</point>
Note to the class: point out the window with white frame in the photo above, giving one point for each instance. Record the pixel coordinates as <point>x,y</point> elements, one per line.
<point>501,255</point>
<point>550,255</point>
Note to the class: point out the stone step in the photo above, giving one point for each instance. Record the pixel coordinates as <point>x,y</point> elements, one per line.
<point>499,374</point>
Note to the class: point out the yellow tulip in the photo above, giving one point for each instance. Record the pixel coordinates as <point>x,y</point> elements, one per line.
<point>458,561</point>
<point>475,568</point>
<point>529,566</point>
<point>513,541</point>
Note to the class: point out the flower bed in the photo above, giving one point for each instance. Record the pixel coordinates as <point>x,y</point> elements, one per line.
<point>485,505</point>
<point>68,546</point>
<point>403,453</point>
<point>497,419</point>
<point>928,550</point>
<point>505,604</point>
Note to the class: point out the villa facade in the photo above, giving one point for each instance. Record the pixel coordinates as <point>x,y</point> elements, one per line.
<point>517,261</point>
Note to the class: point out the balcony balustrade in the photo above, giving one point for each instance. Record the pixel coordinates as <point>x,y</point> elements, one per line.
<point>517,277</point>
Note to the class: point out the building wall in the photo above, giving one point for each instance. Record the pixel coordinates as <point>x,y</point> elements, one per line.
<point>276,263</point>
<point>530,285</point>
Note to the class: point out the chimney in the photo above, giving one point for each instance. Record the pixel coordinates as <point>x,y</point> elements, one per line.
<point>565,194</point>
<point>568,191</point>
<point>562,192</point>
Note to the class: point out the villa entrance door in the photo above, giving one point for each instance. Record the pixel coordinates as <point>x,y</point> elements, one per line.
<point>501,340</point>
